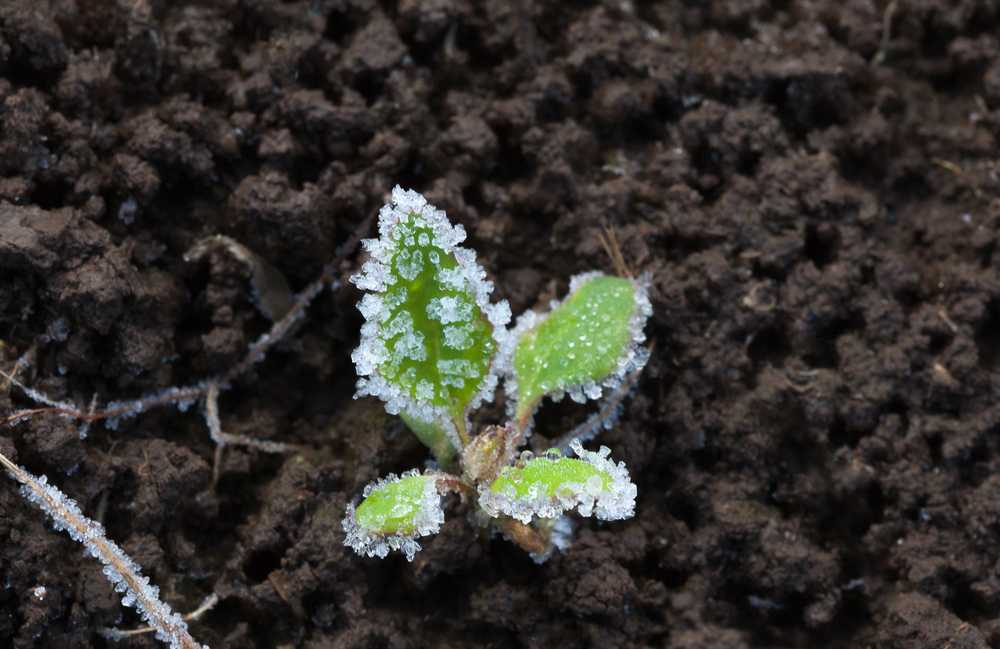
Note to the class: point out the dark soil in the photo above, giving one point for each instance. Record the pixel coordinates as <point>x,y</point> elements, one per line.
<point>816,439</point>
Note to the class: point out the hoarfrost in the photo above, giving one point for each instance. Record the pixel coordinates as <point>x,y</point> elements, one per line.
<point>450,309</point>
<point>401,322</point>
<point>458,367</point>
<point>409,266</point>
<point>458,337</point>
<point>410,345</point>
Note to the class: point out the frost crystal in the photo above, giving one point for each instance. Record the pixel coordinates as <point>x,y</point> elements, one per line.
<point>396,511</point>
<point>547,487</point>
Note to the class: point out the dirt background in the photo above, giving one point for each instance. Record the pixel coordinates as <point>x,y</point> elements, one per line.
<point>816,439</point>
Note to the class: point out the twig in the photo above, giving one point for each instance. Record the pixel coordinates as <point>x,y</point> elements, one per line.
<point>801,389</point>
<point>610,243</point>
<point>948,164</point>
<point>222,438</point>
<point>188,395</point>
<point>24,361</point>
<point>943,314</point>
<point>886,32</point>
<point>607,413</point>
<point>121,571</point>
<point>118,634</point>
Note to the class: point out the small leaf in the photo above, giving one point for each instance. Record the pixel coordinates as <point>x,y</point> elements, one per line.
<point>431,334</point>
<point>588,342</point>
<point>549,485</point>
<point>395,512</point>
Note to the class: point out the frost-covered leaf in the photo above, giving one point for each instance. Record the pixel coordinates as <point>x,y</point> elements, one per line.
<point>588,342</point>
<point>394,513</point>
<point>431,334</point>
<point>549,485</point>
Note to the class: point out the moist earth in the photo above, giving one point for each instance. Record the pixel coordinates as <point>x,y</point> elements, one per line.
<point>811,188</point>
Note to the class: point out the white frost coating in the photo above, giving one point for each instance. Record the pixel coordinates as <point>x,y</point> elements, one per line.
<point>123,573</point>
<point>633,359</point>
<point>375,276</point>
<point>458,337</point>
<point>616,502</point>
<point>428,520</point>
<point>562,533</point>
<point>35,395</point>
<point>450,309</point>
<point>182,397</point>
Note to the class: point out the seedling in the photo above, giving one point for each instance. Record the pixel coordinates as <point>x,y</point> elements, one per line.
<point>434,347</point>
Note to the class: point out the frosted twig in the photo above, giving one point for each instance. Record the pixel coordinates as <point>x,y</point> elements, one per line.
<point>120,569</point>
<point>222,438</point>
<point>189,394</point>
<point>118,634</point>
<point>24,361</point>
<point>604,418</point>
<point>85,426</point>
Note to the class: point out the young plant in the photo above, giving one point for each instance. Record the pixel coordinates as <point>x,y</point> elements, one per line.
<point>433,348</point>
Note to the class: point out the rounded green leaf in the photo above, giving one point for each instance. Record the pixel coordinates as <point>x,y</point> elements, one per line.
<point>431,334</point>
<point>549,485</point>
<point>587,342</point>
<point>395,512</point>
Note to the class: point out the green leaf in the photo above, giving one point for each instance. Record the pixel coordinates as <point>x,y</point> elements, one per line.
<point>395,512</point>
<point>549,485</point>
<point>431,334</point>
<point>588,342</point>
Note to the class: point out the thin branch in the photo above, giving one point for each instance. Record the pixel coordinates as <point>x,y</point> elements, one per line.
<point>222,438</point>
<point>118,634</point>
<point>188,395</point>
<point>886,32</point>
<point>610,243</point>
<point>606,415</point>
<point>120,569</point>
<point>24,361</point>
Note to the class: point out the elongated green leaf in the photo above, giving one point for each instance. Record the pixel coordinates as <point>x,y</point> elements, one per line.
<point>395,512</point>
<point>549,485</point>
<point>431,335</point>
<point>588,342</point>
